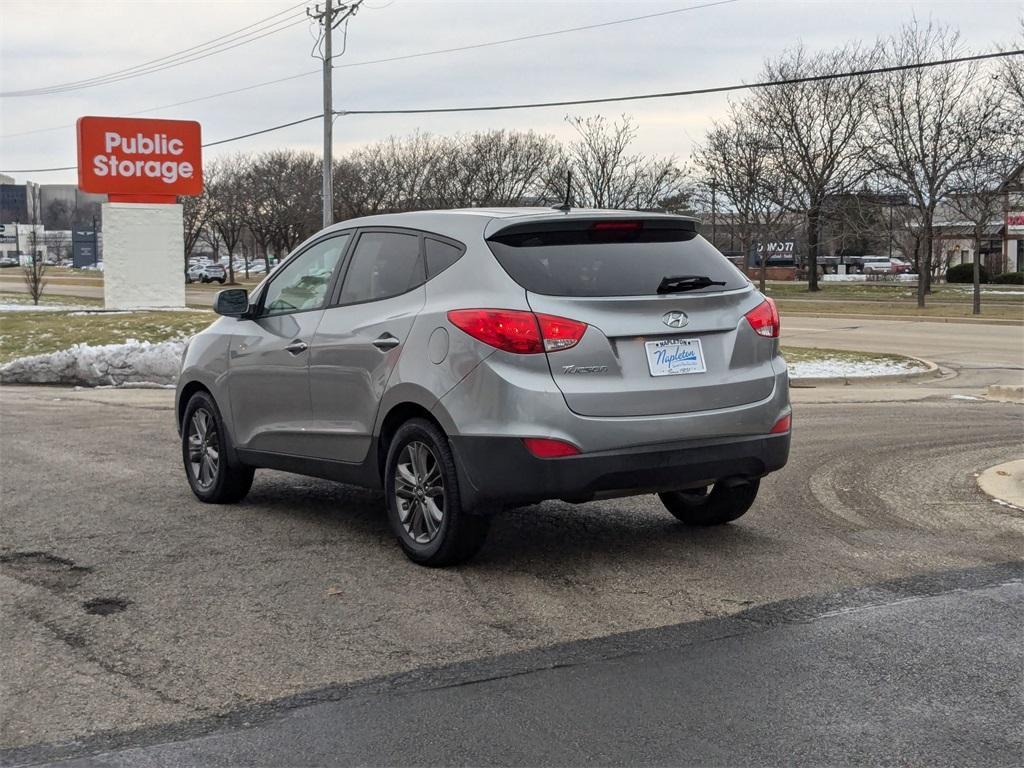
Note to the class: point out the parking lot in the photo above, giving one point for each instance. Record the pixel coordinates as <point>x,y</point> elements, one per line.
<point>129,604</point>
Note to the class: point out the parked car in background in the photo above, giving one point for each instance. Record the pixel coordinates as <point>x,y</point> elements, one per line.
<point>881,265</point>
<point>467,361</point>
<point>8,261</point>
<point>206,273</point>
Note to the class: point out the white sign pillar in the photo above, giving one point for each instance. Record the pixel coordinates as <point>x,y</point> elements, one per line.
<point>143,255</point>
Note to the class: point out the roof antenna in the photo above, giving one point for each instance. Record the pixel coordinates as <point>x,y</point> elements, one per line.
<point>567,205</point>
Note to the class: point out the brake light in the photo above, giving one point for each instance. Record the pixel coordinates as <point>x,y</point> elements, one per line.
<point>782,425</point>
<point>764,319</point>
<point>620,226</point>
<point>519,332</point>
<point>560,332</point>
<point>547,448</point>
<point>507,329</point>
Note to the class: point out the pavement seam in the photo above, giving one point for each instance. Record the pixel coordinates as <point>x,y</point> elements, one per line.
<point>564,655</point>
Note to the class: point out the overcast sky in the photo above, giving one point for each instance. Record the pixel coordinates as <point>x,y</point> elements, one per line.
<point>45,43</point>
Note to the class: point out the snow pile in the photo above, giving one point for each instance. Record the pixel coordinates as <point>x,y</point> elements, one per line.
<point>837,367</point>
<point>861,278</point>
<point>131,363</point>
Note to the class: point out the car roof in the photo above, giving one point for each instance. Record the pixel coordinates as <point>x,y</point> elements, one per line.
<point>462,223</point>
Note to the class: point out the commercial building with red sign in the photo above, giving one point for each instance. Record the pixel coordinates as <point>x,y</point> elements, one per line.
<point>140,160</point>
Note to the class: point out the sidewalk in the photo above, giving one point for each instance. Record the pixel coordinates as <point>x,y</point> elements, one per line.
<point>1005,483</point>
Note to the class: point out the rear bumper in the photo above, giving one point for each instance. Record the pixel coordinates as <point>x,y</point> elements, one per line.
<point>499,471</point>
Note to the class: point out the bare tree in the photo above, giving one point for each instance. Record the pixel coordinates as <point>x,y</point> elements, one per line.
<point>195,214</point>
<point>493,168</point>
<point>813,129</point>
<point>924,123</point>
<point>976,192</point>
<point>605,174</point>
<point>228,205</point>
<point>1011,76</point>
<point>34,272</point>
<point>735,158</point>
<point>282,191</point>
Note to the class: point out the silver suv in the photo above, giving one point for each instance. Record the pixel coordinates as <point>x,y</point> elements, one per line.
<point>467,360</point>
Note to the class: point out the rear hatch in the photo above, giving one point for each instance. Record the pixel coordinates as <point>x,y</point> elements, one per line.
<point>686,348</point>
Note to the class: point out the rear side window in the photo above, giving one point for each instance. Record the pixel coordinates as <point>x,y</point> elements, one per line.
<point>384,264</point>
<point>440,256</point>
<point>602,259</point>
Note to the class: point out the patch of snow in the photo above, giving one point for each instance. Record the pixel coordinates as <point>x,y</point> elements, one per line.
<point>840,368</point>
<point>996,291</point>
<point>40,308</point>
<point>133,363</point>
<point>965,397</point>
<point>101,311</point>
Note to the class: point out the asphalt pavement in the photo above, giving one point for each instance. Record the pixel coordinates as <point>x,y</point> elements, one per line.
<point>922,672</point>
<point>132,614</point>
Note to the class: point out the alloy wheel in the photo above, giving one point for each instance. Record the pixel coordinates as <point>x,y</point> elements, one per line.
<point>419,492</point>
<point>203,448</point>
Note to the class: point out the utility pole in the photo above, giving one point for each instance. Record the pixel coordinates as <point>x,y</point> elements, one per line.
<point>330,16</point>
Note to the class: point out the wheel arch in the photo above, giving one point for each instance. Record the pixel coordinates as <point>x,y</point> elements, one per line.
<point>395,417</point>
<point>187,391</point>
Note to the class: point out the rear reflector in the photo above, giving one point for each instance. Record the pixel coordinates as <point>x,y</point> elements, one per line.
<point>547,448</point>
<point>517,331</point>
<point>764,319</point>
<point>782,425</point>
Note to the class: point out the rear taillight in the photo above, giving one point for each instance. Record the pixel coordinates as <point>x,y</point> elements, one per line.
<point>560,332</point>
<point>523,333</point>
<point>764,319</point>
<point>547,448</point>
<point>783,425</point>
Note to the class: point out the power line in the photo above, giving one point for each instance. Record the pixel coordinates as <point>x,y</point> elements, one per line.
<point>537,35</point>
<point>405,57</point>
<point>207,144</point>
<point>257,133</point>
<point>607,99</point>
<point>692,92</point>
<point>195,53</point>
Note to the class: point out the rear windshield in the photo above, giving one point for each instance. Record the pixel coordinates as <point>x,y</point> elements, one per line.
<point>597,262</point>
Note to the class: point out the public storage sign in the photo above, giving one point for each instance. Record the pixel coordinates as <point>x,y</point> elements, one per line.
<point>139,160</point>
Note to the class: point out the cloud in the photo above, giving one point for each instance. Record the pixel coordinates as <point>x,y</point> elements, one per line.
<point>42,44</point>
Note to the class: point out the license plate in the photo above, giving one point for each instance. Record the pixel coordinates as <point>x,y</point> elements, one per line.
<point>671,357</point>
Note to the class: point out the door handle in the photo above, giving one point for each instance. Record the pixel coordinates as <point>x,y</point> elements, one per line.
<point>297,347</point>
<point>386,342</point>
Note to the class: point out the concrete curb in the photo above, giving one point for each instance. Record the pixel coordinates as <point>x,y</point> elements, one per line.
<point>1004,483</point>
<point>1004,393</point>
<point>930,370</point>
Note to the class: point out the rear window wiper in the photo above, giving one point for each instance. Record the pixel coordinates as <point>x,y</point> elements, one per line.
<point>681,283</point>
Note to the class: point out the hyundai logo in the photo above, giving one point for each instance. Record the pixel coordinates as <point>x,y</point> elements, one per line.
<point>675,319</point>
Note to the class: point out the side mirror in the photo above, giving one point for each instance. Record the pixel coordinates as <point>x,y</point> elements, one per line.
<point>233,302</point>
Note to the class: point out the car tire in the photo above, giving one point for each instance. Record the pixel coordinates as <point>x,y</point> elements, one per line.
<point>419,458</point>
<point>221,281</point>
<point>213,477</point>
<point>716,504</point>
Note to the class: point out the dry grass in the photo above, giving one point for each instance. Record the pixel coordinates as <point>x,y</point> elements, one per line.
<point>34,333</point>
